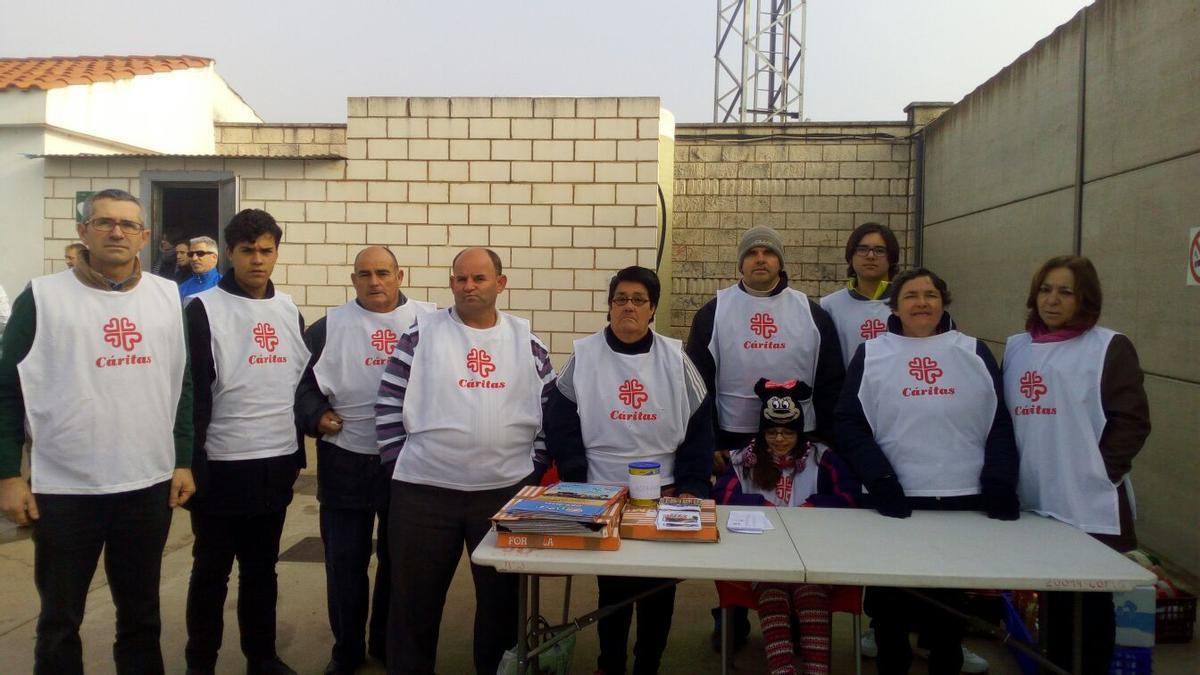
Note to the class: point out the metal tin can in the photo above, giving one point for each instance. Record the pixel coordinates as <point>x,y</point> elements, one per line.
<point>645,484</point>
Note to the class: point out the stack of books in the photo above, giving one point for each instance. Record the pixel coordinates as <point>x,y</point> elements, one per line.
<point>564,515</point>
<point>643,522</point>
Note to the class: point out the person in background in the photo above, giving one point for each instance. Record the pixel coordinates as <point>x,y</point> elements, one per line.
<point>5,310</point>
<point>248,353</point>
<point>922,420</point>
<point>781,467</point>
<point>202,256</point>
<point>111,444</point>
<point>1081,415</point>
<point>183,268</point>
<point>594,430</point>
<point>860,310</point>
<point>461,403</point>
<point>165,260</point>
<point>71,253</point>
<point>336,404</point>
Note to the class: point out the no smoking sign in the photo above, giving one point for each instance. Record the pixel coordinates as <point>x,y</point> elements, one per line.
<point>1194,257</point>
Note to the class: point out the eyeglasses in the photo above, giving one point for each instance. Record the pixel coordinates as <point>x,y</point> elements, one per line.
<point>200,254</point>
<point>637,300</point>
<point>107,225</point>
<point>864,250</point>
<point>779,431</point>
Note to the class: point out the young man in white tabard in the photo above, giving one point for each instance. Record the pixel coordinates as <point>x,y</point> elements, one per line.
<point>860,310</point>
<point>461,402</point>
<point>95,365</point>
<point>336,404</point>
<point>248,354</point>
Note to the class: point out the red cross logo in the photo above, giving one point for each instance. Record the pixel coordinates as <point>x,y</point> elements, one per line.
<point>762,324</point>
<point>1032,386</point>
<point>121,332</point>
<point>632,393</point>
<point>925,369</point>
<point>264,335</point>
<point>479,361</point>
<point>783,489</point>
<point>871,329</point>
<point>384,340</point>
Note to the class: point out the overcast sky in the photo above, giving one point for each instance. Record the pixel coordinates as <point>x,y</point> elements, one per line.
<point>298,60</point>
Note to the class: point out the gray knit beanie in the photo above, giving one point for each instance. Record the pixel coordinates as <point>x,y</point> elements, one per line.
<point>760,235</point>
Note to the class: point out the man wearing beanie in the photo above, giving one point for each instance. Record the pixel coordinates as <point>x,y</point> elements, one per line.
<point>760,328</point>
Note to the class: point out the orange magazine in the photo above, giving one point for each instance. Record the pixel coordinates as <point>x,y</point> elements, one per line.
<point>637,522</point>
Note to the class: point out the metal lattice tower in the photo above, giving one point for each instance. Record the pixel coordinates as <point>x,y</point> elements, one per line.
<point>759,72</point>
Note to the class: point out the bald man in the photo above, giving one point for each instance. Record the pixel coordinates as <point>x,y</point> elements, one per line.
<point>466,407</point>
<point>336,404</point>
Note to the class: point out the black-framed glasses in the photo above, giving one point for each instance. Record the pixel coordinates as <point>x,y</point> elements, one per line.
<point>637,300</point>
<point>107,225</point>
<point>200,254</point>
<point>864,250</point>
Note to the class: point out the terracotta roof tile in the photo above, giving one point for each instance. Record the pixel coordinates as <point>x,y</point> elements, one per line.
<point>58,71</point>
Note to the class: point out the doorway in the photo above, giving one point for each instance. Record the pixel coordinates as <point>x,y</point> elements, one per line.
<point>187,204</point>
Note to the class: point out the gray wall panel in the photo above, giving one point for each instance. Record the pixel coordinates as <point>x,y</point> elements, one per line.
<point>1013,137</point>
<point>1135,231</point>
<point>988,258</point>
<point>1143,62</point>
<point>1165,473</point>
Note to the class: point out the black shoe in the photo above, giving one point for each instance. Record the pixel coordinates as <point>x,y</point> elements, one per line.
<point>335,667</point>
<point>271,666</point>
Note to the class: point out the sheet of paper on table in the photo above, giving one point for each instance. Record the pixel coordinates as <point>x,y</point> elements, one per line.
<point>748,522</point>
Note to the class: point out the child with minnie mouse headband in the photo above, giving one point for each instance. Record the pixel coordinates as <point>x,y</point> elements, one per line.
<point>783,467</point>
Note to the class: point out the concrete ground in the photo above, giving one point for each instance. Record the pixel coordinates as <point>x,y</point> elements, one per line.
<point>304,639</point>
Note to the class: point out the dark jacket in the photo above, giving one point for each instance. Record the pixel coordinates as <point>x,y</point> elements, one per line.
<point>837,486</point>
<point>244,487</point>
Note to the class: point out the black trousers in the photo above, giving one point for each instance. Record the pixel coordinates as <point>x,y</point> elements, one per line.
<point>254,541</point>
<point>897,613</point>
<point>427,527</point>
<point>1099,630</point>
<point>354,492</point>
<point>653,624</point>
<point>131,530</point>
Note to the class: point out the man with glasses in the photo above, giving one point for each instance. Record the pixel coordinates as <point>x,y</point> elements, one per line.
<point>202,256</point>
<point>860,310</point>
<point>94,361</point>
<point>760,327</point>
<point>628,394</point>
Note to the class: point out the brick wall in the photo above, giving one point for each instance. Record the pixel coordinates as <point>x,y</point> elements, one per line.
<point>564,189</point>
<point>280,140</point>
<point>813,182</point>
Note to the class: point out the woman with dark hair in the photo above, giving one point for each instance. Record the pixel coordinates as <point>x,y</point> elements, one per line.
<point>783,467</point>
<point>1080,415</point>
<point>923,422</point>
<point>860,310</point>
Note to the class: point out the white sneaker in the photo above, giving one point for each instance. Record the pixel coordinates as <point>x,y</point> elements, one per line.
<point>866,642</point>
<point>972,662</point>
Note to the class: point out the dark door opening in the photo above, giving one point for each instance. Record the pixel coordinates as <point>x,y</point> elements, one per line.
<point>184,205</point>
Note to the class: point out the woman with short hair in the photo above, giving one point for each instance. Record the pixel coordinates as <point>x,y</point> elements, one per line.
<point>1080,415</point>
<point>922,419</point>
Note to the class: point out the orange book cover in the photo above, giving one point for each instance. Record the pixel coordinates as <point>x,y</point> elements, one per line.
<point>560,541</point>
<point>607,538</point>
<point>637,522</point>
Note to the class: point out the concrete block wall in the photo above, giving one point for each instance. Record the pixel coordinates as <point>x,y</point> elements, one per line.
<point>564,189</point>
<point>1000,199</point>
<point>813,182</point>
<point>280,140</point>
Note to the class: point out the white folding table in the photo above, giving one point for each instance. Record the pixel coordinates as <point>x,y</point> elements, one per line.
<point>943,549</point>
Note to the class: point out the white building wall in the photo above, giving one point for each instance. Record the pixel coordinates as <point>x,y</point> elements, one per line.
<point>22,228</point>
<point>170,112</point>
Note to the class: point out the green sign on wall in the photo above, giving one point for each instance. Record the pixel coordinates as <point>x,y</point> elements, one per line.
<point>81,197</point>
